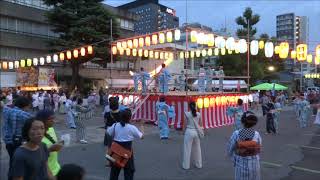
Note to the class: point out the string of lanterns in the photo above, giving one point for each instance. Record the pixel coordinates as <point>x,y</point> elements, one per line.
<point>206,102</point>
<point>312,76</point>
<point>65,55</point>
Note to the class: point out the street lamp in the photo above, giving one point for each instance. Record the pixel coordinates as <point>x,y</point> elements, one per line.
<point>271,68</point>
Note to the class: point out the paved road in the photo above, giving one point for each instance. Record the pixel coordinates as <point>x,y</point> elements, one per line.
<point>293,154</point>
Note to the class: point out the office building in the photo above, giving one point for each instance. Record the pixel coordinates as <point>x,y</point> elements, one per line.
<point>153,16</point>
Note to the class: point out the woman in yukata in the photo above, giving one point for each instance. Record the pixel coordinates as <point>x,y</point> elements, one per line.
<point>162,110</point>
<point>236,112</point>
<point>246,159</point>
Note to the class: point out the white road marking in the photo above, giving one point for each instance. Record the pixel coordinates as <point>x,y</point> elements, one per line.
<point>271,164</point>
<point>307,147</point>
<point>305,169</point>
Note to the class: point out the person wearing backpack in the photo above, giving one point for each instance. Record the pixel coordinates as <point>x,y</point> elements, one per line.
<point>123,133</point>
<point>191,143</point>
<point>244,148</point>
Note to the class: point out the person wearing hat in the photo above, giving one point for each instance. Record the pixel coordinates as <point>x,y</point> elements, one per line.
<point>244,149</point>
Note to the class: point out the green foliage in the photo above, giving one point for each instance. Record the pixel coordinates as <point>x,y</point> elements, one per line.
<point>236,64</point>
<point>81,23</point>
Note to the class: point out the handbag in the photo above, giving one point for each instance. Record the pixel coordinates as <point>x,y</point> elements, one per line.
<point>118,155</point>
<point>199,130</point>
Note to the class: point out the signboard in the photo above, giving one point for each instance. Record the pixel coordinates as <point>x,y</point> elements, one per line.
<point>170,11</point>
<point>46,78</point>
<point>27,77</point>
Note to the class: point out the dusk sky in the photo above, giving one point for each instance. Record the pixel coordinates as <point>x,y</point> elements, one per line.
<point>215,13</point>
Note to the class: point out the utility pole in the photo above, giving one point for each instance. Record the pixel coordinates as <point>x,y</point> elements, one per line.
<point>111,56</point>
<point>248,56</point>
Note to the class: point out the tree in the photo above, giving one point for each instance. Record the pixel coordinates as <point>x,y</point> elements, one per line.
<point>81,23</point>
<point>247,19</point>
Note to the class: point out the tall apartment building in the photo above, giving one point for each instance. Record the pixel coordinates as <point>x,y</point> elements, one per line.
<point>153,16</point>
<point>293,29</point>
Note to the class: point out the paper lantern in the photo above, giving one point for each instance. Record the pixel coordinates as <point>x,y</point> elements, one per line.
<point>130,44</point>
<point>261,44</point>
<point>200,38</point>
<point>212,102</point>
<point>205,39</point>
<point>16,64</point>
<point>200,103</point>
<point>151,54</point>
<point>243,47</point>
<point>135,43</point>
<point>166,55</point>
<point>302,50</point>
<point>177,34</point>
<point>216,51</point>
<point>42,60</point>
<point>48,58</point>
<point>161,55</point>
<point>121,51</point>
<point>230,43</point>
<point>170,55</point>
<point>145,53</point>
<point>223,51</point>
<point>186,54</point>
<point>268,49</point>
<point>114,50</point>
<point>316,60</point>
<point>10,65</point>
<point>61,56</point>
<point>309,58</point>
<point>210,52</point>
<point>223,100</point>
<point>161,38</point>
<point>124,44</point>
<point>193,35</point>
<point>276,49</point>
<point>318,51</point>
<point>206,102</point>
<point>55,58</point>
<point>83,51</point>
<point>237,47</point>
<point>148,41</point>
<point>204,52</point>
<point>293,54</point>
<point>140,52</point>
<point>198,53</point>
<point>130,99</point>
<point>119,45</point>
<point>90,50</point>
<point>134,52</point>
<point>192,54</point>
<point>29,62</point>
<point>35,61</point>
<point>141,42</point>
<point>229,51</point>
<point>23,63</point>
<point>75,53</point>
<point>210,40</point>
<point>318,76</point>
<point>69,55</point>
<point>284,50</point>
<point>218,101</point>
<point>156,55</point>
<point>254,47</point>
<point>128,52</point>
<point>154,39</point>
<point>169,36</point>
<point>4,65</point>
<point>181,55</point>
<point>220,42</point>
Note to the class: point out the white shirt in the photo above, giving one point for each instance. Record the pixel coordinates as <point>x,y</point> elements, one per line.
<point>9,99</point>
<point>123,134</point>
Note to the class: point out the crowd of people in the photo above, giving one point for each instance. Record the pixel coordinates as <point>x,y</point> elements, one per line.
<point>33,145</point>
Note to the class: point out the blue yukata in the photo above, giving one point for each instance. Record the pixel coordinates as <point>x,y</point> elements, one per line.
<point>209,76</point>
<point>164,78</point>
<point>182,82</point>
<point>162,110</point>
<point>144,76</point>
<point>201,81</point>
<point>237,113</point>
<point>70,116</point>
<point>136,78</point>
<point>304,111</point>
<point>245,167</point>
<point>276,115</point>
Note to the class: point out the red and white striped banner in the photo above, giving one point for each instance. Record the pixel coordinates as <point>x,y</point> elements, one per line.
<point>212,116</point>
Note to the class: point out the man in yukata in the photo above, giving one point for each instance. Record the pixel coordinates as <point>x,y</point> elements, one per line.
<point>164,78</point>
